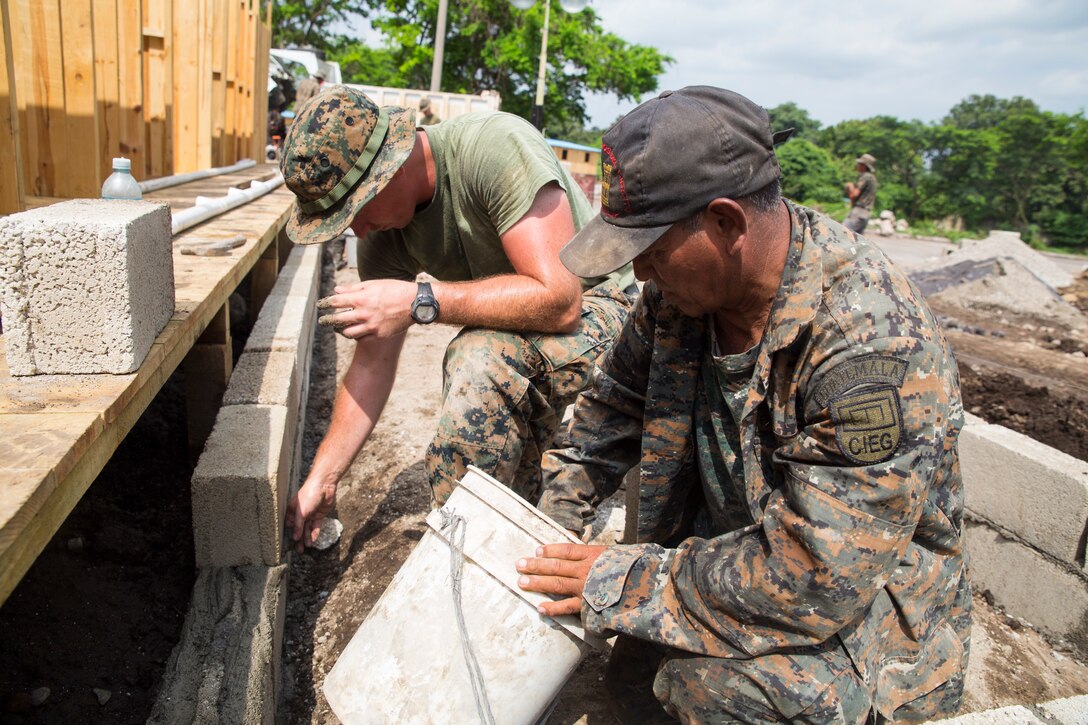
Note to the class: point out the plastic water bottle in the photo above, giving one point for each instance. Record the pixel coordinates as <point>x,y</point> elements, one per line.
<point>121,184</point>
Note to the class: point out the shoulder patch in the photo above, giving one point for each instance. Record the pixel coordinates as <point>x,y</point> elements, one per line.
<point>868,424</point>
<point>864,370</point>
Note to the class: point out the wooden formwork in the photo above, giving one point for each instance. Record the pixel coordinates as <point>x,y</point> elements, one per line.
<point>174,85</point>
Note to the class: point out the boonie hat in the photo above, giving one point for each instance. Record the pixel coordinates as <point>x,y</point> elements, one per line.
<point>424,103</point>
<point>341,150</point>
<point>666,160</point>
<point>868,159</point>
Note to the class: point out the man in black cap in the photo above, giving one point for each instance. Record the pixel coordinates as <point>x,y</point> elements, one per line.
<point>794,411</point>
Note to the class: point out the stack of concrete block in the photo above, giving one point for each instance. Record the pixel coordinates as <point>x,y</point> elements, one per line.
<point>1027,505</point>
<point>227,666</point>
<point>251,459</point>
<point>85,285</point>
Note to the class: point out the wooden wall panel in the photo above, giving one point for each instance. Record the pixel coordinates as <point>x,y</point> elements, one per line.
<point>11,179</point>
<point>40,91</point>
<point>219,47</point>
<point>158,32</point>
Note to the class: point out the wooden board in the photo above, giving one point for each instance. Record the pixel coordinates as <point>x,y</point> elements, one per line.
<point>79,174</point>
<point>107,89</point>
<point>39,90</point>
<point>11,184</point>
<point>57,432</point>
<point>130,86</point>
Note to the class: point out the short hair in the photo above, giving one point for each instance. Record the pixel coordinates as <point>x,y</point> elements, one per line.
<point>764,200</point>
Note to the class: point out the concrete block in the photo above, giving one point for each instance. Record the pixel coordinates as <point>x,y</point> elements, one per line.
<point>240,487</point>
<point>265,378</point>
<point>291,305</point>
<point>85,285</point>
<point>227,666</point>
<point>1068,711</point>
<point>1014,715</point>
<point>1029,585</point>
<point>1035,491</point>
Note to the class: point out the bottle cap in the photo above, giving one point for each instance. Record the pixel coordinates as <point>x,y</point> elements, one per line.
<point>120,163</point>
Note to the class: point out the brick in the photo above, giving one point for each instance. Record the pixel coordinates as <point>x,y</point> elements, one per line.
<point>1035,491</point>
<point>240,487</point>
<point>1029,585</point>
<point>85,285</point>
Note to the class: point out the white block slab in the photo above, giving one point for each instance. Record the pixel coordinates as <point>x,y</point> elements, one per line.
<point>85,285</point>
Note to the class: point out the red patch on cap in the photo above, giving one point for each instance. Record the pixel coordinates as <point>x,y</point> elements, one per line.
<point>623,190</point>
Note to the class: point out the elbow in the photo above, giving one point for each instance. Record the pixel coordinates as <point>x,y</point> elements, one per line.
<point>568,317</point>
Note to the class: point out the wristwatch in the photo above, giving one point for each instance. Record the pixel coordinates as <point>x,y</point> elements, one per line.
<point>425,306</point>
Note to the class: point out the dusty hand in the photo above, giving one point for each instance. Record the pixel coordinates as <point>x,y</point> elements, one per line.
<point>306,511</point>
<point>380,307</point>
<point>559,569</point>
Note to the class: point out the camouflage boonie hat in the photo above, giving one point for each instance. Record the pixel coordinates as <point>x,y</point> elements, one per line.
<point>341,150</point>
<point>868,159</point>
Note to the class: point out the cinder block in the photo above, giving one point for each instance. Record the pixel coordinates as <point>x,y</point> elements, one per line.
<point>1029,585</point>
<point>227,666</point>
<point>264,378</point>
<point>1014,715</point>
<point>85,285</point>
<point>1068,711</point>
<point>290,309</point>
<point>240,487</point>
<point>1035,491</point>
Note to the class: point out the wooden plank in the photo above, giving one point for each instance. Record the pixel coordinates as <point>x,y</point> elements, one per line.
<point>158,86</point>
<point>107,90</point>
<point>186,44</point>
<point>203,91</point>
<point>230,111</point>
<point>12,191</point>
<point>260,93</point>
<point>54,447</point>
<point>80,162</point>
<point>207,371</point>
<point>40,92</point>
<point>130,86</point>
<point>220,48</point>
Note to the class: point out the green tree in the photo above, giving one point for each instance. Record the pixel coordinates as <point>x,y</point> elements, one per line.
<point>981,112</point>
<point>790,115</point>
<point>808,173</point>
<point>306,23</point>
<point>491,45</point>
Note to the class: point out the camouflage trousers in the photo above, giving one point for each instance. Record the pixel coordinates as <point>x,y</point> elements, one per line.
<point>857,219</point>
<point>504,394</point>
<point>649,684</point>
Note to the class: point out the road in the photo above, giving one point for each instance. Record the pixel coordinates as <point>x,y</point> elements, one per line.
<point>909,252</point>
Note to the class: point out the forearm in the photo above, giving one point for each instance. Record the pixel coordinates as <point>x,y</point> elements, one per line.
<point>511,302</point>
<point>359,402</point>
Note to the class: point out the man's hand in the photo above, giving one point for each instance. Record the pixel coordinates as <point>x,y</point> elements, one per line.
<point>379,308</point>
<point>306,511</point>
<point>559,569</point>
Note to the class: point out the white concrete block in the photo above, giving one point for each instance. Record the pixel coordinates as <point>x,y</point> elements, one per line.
<point>1068,711</point>
<point>1014,715</point>
<point>1035,491</point>
<point>85,285</point>
<point>1029,585</point>
<point>264,378</point>
<point>240,487</point>
<point>291,305</point>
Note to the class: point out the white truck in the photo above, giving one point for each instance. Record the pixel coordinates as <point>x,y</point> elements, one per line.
<point>446,105</point>
<point>313,62</point>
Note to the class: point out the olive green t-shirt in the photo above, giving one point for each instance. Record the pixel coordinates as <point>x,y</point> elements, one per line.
<point>866,191</point>
<point>489,167</point>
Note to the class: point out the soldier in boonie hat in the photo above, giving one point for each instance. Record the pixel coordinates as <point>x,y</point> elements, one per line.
<point>862,194</point>
<point>458,223</point>
<point>341,150</point>
<point>793,411</point>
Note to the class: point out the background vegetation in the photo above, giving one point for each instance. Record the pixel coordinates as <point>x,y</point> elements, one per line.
<point>989,163</point>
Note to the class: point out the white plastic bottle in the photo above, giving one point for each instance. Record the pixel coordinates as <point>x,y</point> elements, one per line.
<point>121,184</point>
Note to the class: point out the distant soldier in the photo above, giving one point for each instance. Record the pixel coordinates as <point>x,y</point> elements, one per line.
<point>427,117</point>
<point>309,88</point>
<point>862,194</point>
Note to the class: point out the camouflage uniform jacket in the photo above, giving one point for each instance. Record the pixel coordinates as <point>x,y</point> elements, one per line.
<point>866,197</point>
<point>851,478</point>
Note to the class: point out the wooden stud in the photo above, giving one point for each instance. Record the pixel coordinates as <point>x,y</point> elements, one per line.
<point>220,48</point>
<point>207,371</point>
<point>262,279</point>
<point>158,85</point>
<point>40,93</point>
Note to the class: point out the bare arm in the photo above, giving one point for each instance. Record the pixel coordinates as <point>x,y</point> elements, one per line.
<point>542,296</point>
<point>359,403</point>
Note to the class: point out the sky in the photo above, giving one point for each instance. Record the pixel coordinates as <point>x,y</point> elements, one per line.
<point>842,59</point>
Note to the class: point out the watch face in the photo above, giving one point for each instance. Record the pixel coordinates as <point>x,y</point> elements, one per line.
<point>425,313</point>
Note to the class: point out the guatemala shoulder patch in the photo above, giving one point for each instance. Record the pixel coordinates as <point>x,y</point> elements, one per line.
<point>863,397</point>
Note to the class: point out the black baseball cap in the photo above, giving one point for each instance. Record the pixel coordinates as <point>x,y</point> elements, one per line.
<point>666,160</point>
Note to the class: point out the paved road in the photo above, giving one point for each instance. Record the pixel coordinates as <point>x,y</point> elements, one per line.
<point>910,252</point>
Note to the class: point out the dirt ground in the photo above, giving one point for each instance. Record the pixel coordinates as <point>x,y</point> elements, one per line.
<point>103,606</point>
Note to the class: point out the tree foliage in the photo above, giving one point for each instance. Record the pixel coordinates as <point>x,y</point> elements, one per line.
<point>307,23</point>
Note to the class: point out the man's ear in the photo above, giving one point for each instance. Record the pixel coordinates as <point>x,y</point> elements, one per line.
<point>727,224</point>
